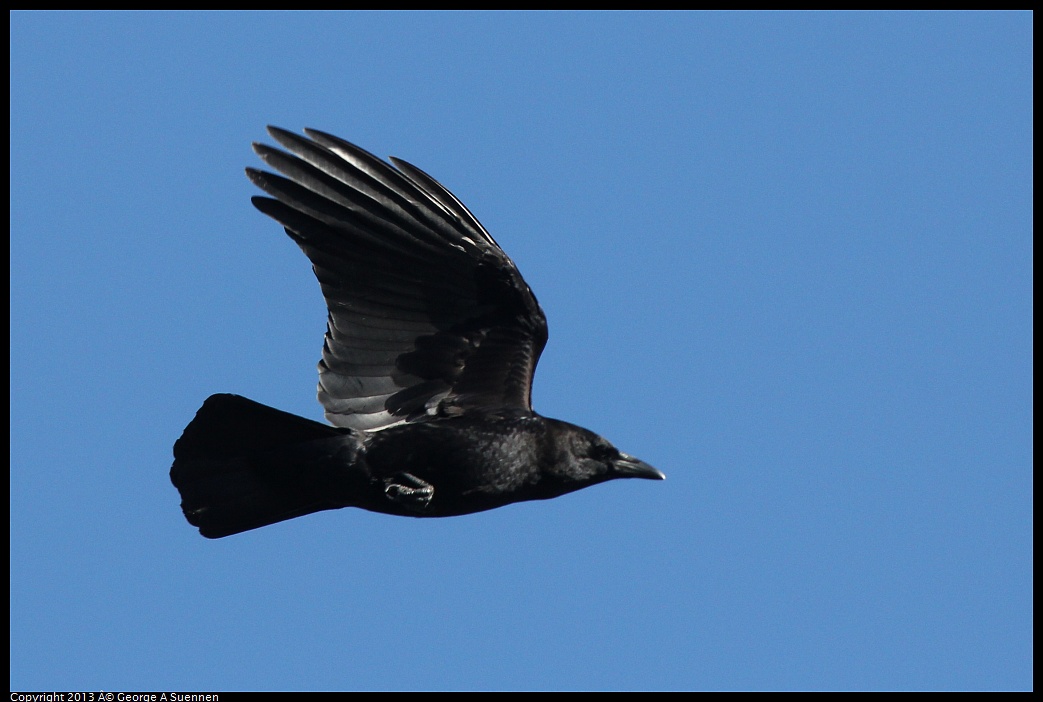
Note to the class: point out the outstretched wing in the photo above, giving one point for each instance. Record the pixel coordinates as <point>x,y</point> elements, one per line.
<point>427,315</point>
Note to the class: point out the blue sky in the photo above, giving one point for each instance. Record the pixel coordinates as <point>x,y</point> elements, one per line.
<point>785,258</point>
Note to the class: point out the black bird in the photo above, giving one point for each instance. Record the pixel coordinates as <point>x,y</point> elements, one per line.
<point>426,372</point>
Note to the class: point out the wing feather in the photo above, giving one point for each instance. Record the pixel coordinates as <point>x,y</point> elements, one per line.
<point>427,315</point>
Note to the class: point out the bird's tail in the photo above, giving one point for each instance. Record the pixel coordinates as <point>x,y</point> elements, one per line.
<point>240,465</point>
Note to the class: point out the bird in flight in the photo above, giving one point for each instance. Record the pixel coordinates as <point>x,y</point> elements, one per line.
<point>426,372</point>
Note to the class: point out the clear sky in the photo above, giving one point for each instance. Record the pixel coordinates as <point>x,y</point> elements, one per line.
<point>785,258</point>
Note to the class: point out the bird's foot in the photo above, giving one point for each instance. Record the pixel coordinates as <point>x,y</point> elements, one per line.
<point>409,490</point>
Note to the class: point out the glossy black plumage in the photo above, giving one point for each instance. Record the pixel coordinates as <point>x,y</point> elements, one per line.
<point>426,372</point>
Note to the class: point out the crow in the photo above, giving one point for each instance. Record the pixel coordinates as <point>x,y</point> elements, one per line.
<point>426,374</point>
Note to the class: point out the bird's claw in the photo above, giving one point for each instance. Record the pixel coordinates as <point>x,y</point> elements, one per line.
<point>409,490</point>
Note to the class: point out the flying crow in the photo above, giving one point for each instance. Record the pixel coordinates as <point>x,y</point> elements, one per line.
<point>426,371</point>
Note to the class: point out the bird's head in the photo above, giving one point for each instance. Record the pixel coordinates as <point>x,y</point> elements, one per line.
<point>584,458</point>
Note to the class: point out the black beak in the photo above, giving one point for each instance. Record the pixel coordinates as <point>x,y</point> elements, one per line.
<point>630,467</point>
